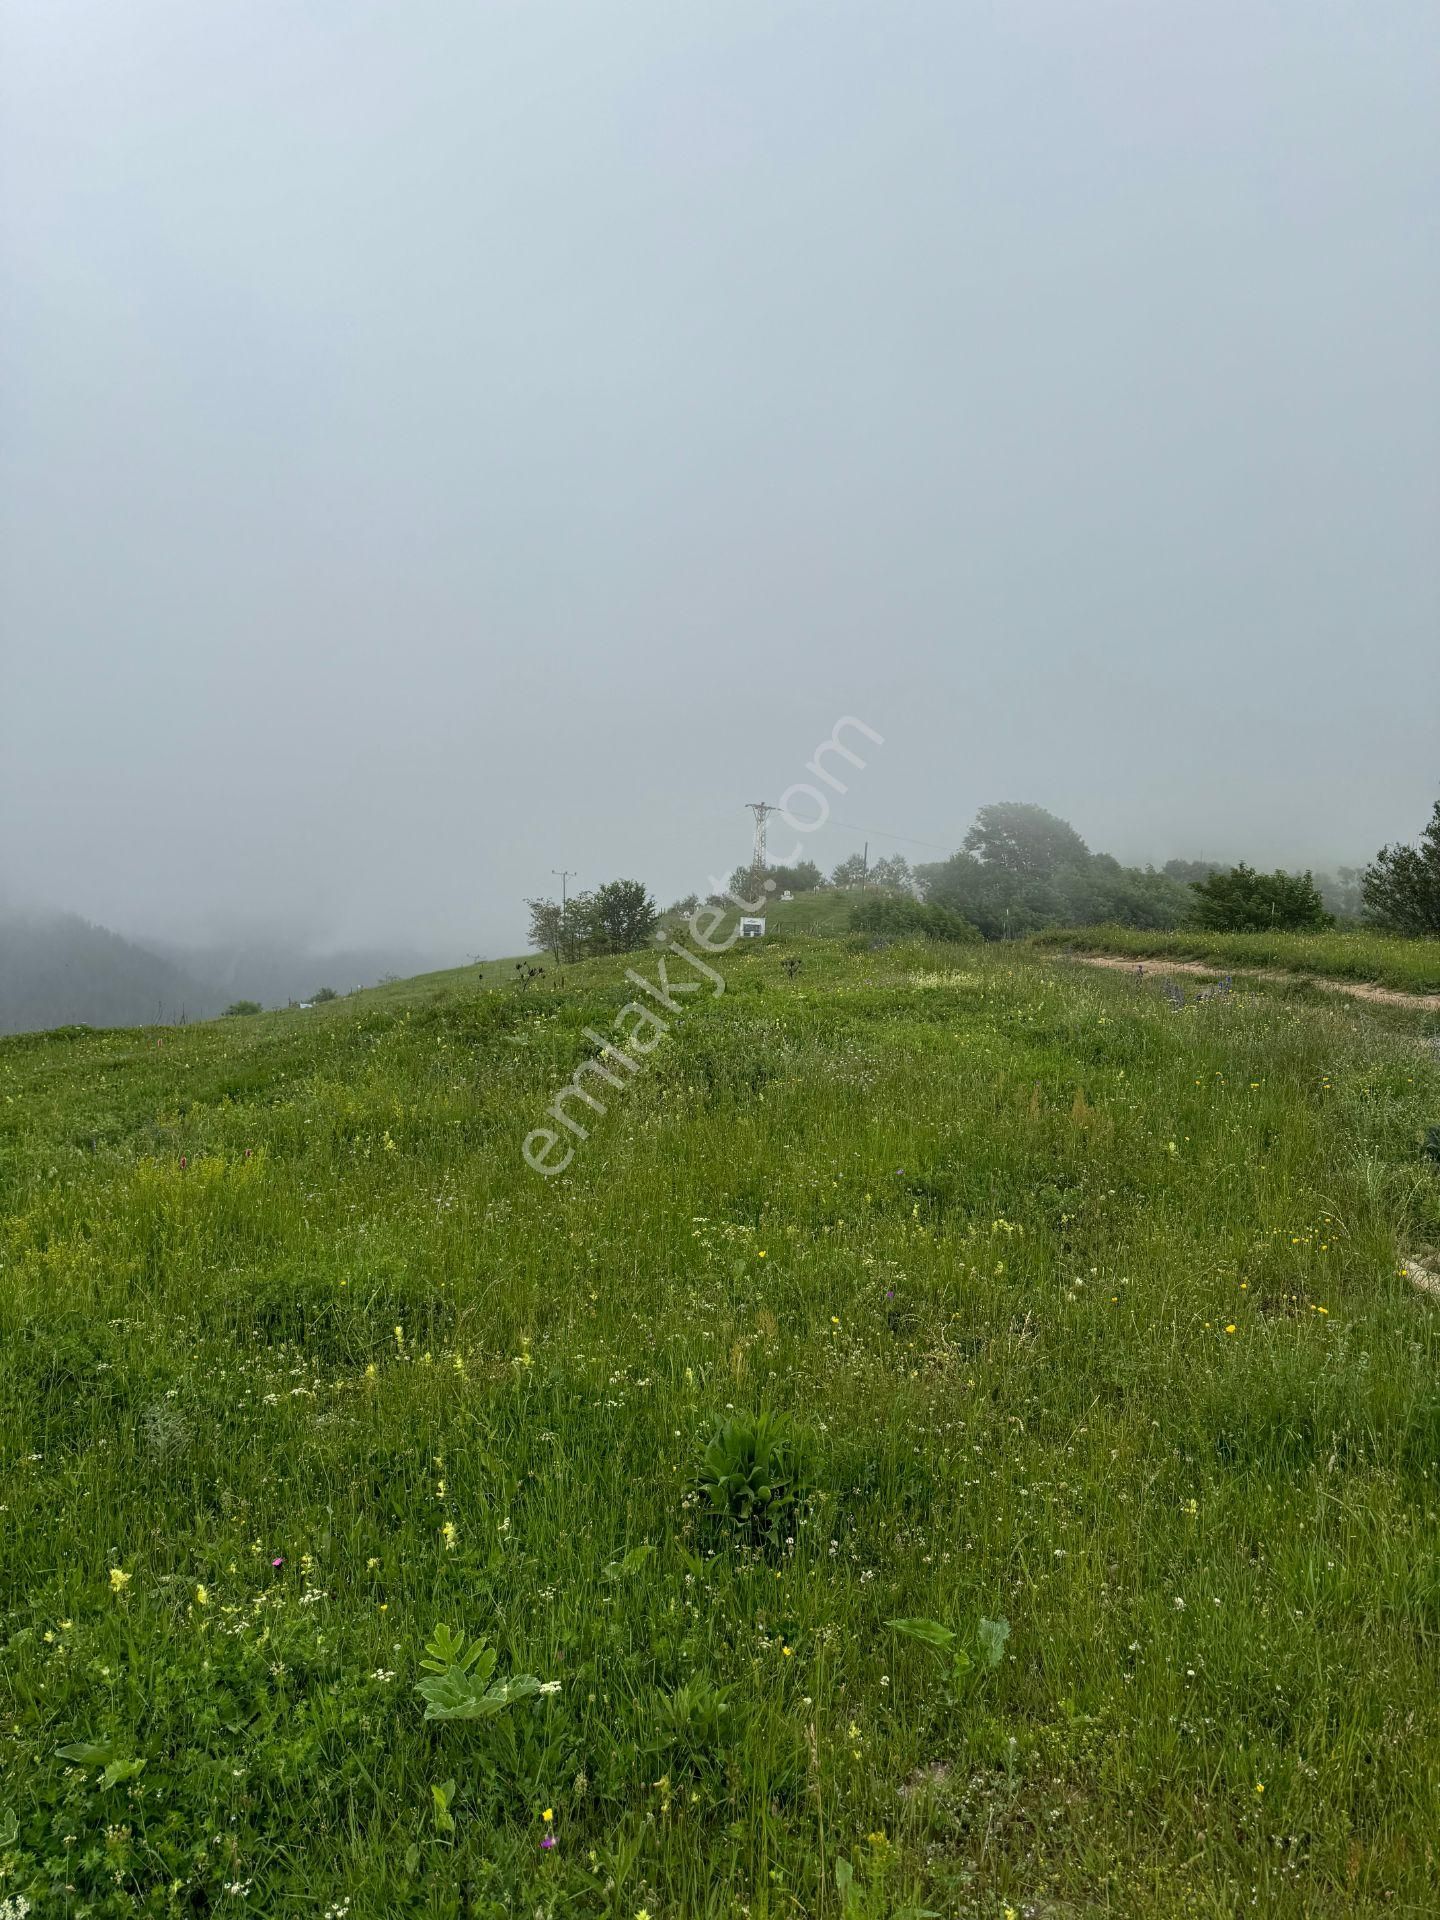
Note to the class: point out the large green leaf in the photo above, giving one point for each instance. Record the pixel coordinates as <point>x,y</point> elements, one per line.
<point>930,1632</point>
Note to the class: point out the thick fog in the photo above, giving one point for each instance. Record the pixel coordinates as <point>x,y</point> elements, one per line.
<point>449,442</point>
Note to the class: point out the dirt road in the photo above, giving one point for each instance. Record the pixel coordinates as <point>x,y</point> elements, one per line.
<point>1356,989</point>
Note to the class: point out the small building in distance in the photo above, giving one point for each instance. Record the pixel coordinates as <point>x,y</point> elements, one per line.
<point>752,926</point>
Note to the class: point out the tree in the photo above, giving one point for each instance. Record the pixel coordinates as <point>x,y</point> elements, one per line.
<point>850,872</point>
<point>803,877</point>
<point>322,994</point>
<point>1025,840</point>
<point>547,927</point>
<point>241,1007</point>
<point>746,883</point>
<point>1001,904</point>
<point>1021,869</point>
<point>564,931</point>
<point>1244,901</point>
<point>893,871</point>
<point>1401,886</point>
<point>624,916</point>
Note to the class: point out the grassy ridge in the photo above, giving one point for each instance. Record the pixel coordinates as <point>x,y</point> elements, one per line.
<point>1087,1315</point>
<point>1340,955</point>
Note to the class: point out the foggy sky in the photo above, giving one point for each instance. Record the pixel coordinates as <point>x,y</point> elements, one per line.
<point>446,442</point>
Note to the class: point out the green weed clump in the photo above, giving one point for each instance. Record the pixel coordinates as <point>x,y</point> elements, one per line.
<point>958,1438</point>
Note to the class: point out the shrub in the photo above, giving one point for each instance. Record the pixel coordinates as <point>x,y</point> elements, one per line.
<point>322,994</point>
<point>904,918</point>
<point>241,1006</point>
<point>1244,901</point>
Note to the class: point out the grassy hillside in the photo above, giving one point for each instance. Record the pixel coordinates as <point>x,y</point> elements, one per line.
<point>1088,1320</point>
<point>824,913</point>
<point>1341,954</point>
<point>58,970</point>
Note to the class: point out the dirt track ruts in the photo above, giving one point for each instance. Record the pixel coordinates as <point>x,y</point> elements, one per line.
<point>1357,989</point>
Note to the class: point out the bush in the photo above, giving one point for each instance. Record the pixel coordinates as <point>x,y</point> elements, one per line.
<point>322,994</point>
<point>241,1006</point>
<point>1244,901</point>
<point>903,918</point>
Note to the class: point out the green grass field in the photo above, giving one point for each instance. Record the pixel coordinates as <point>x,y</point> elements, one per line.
<point>1086,1315</point>
<point>1342,954</point>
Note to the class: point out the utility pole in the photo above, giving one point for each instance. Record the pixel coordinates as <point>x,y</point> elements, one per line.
<point>865,868</point>
<point>564,875</point>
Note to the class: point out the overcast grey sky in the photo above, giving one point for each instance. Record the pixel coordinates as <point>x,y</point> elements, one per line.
<point>448,441</point>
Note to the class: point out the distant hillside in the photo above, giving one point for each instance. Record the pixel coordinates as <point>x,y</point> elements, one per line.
<point>274,973</point>
<point>58,970</point>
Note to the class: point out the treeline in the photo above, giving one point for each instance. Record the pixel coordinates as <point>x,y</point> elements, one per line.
<point>892,873</point>
<point>1022,869</point>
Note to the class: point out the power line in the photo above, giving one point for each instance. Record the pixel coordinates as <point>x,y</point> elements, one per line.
<point>907,839</point>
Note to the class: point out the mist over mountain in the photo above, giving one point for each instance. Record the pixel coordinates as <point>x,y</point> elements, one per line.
<point>57,969</point>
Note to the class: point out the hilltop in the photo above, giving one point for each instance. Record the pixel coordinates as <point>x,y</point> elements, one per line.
<point>957,1435</point>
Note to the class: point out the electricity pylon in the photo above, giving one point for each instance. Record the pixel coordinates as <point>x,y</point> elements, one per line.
<point>761,809</point>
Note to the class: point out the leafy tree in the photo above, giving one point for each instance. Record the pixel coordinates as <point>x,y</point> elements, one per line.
<point>241,1007</point>
<point>1000,903</point>
<point>546,927</point>
<point>322,994</point>
<point>1024,839</point>
<point>624,916</point>
<point>850,872</point>
<point>803,877</point>
<point>1022,869</point>
<point>893,872</point>
<point>1244,901</point>
<point>1103,891</point>
<point>566,932</point>
<point>1401,886</point>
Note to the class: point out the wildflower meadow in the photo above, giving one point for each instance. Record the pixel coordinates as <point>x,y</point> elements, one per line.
<point>961,1439</point>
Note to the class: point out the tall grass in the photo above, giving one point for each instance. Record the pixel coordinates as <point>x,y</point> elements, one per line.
<point>1085,1314</point>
